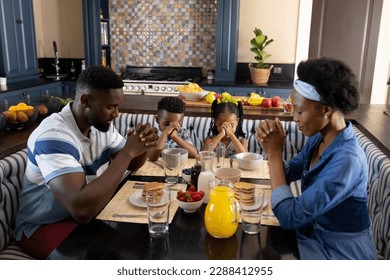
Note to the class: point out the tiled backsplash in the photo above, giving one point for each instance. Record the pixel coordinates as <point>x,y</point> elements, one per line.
<point>163,33</point>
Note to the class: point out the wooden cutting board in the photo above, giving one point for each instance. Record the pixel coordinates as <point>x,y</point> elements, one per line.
<point>203,104</point>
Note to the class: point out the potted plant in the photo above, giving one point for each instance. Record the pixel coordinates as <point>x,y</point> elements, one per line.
<point>260,72</point>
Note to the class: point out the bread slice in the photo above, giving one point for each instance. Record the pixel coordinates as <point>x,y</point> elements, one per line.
<point>247,191</point>
<point>153,189</point>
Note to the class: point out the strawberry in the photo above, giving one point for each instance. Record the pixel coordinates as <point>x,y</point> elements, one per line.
<point>192,189</point>
<point>196,197</point>
<point>179,194</point>
<point>182,198</point>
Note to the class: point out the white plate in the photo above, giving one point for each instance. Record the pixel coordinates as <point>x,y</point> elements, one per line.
<point>254,206</point>
<point>136,199</point>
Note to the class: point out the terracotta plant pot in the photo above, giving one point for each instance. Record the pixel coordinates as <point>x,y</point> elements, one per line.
<point>259,75</point>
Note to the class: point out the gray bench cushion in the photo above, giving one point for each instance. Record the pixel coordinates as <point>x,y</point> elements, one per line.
<point>199,127</point>
<point>378,190</point>
<point>11,175</point>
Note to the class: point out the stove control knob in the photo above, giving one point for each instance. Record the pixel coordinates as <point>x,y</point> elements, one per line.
<point>124,87</point>
<point>137,88</point>
<point>156,88</point>
<point>143,88</point>
<point>169,89</point>
<point>163,88</point>
<point>131,87</point>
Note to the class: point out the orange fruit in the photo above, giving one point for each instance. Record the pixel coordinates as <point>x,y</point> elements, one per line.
<point>12,108</point>
<point>29,112</point>
<point>21,106</point>
<point>21,117</point>
<point>42,110</point>
<point>10,115</point>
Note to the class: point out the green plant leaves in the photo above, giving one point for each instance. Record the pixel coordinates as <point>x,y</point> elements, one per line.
<point>259,42</point>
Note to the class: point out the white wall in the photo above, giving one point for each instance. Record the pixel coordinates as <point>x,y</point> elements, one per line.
<point>382,63</point>
<point>288,23</point>
<point>60,21</point>
<point>278,19</point>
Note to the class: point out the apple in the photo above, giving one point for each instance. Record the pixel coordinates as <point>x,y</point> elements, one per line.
<point>267,102</point>
<point>275,101</point>
<point>217,95</point>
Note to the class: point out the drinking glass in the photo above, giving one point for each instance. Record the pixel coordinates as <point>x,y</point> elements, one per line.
<point>172,164</point>
<point>220,152</point>
<point>158,212</point>
<point>251,204</point>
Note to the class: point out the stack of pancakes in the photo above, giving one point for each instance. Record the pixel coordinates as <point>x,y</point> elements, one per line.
<point>153,189</point>
<point>247,191</point>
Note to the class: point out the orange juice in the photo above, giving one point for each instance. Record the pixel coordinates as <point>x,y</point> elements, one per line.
<point>221,215</point>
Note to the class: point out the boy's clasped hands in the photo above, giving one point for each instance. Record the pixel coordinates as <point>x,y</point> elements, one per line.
<point>172,129</point>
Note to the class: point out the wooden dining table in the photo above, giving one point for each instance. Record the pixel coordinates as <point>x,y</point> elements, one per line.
<point>113,239</point>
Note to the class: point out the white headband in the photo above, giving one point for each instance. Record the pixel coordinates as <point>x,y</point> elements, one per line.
<point>307,90</point>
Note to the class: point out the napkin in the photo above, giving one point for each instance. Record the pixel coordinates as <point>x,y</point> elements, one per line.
<point>120,204</point>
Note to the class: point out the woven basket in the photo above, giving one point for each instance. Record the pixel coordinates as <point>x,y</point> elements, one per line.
<point>259,75</point>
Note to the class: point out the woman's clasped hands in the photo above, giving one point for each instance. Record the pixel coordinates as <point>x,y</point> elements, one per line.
<point>271,135</point>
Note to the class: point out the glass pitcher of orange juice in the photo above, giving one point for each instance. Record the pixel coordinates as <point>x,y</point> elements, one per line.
<point>221,216</point>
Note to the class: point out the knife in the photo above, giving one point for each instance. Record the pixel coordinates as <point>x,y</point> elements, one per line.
<point>157,164</point>
<point>129,215</point>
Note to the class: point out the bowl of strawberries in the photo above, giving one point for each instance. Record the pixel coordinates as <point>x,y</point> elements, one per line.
<point>190,200</point>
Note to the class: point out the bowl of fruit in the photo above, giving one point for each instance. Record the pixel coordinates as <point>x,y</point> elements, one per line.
<point>192,91</point>
<point>20,116</point>
<point>190,200</point>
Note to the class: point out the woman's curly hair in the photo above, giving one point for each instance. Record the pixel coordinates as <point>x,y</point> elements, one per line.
<point>223,107</point>
<point>334,81</point>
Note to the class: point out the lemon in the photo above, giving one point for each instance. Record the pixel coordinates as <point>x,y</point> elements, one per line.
<point>210,97</point>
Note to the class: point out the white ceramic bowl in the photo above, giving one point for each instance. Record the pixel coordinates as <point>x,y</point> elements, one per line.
<point>186,177</point>
<point>248,160</point>
<point>190,207</point>
<point>194,95</point>
<point>231,174</point>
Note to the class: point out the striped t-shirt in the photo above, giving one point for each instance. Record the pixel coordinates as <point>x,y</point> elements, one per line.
<point>55,148</point>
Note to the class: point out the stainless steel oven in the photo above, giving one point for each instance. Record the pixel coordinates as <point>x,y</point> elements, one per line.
<point>161,81</point>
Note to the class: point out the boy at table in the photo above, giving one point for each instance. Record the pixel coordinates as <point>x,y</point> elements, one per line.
<point>170,114</point>
<point>76,160</point>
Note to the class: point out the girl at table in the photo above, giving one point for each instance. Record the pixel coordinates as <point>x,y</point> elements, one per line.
<point>226,128</point>
<point>330,216</point>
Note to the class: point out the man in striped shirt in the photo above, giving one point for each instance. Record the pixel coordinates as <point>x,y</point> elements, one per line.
<point>76,159</point>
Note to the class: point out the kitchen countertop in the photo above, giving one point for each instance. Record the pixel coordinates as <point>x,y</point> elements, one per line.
<point>247,83</point>
<point>26,84</point>
<point>370,119</point>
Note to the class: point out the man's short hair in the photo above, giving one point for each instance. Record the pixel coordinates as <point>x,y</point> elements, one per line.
<point>98,78</point>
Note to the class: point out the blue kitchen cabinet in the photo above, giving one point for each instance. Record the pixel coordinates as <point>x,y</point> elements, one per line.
<point>18,55</point>
<point>69,89</point>
<point>30,95</point>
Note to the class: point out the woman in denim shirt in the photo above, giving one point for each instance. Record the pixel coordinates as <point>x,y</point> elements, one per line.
<point>331,215</point>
